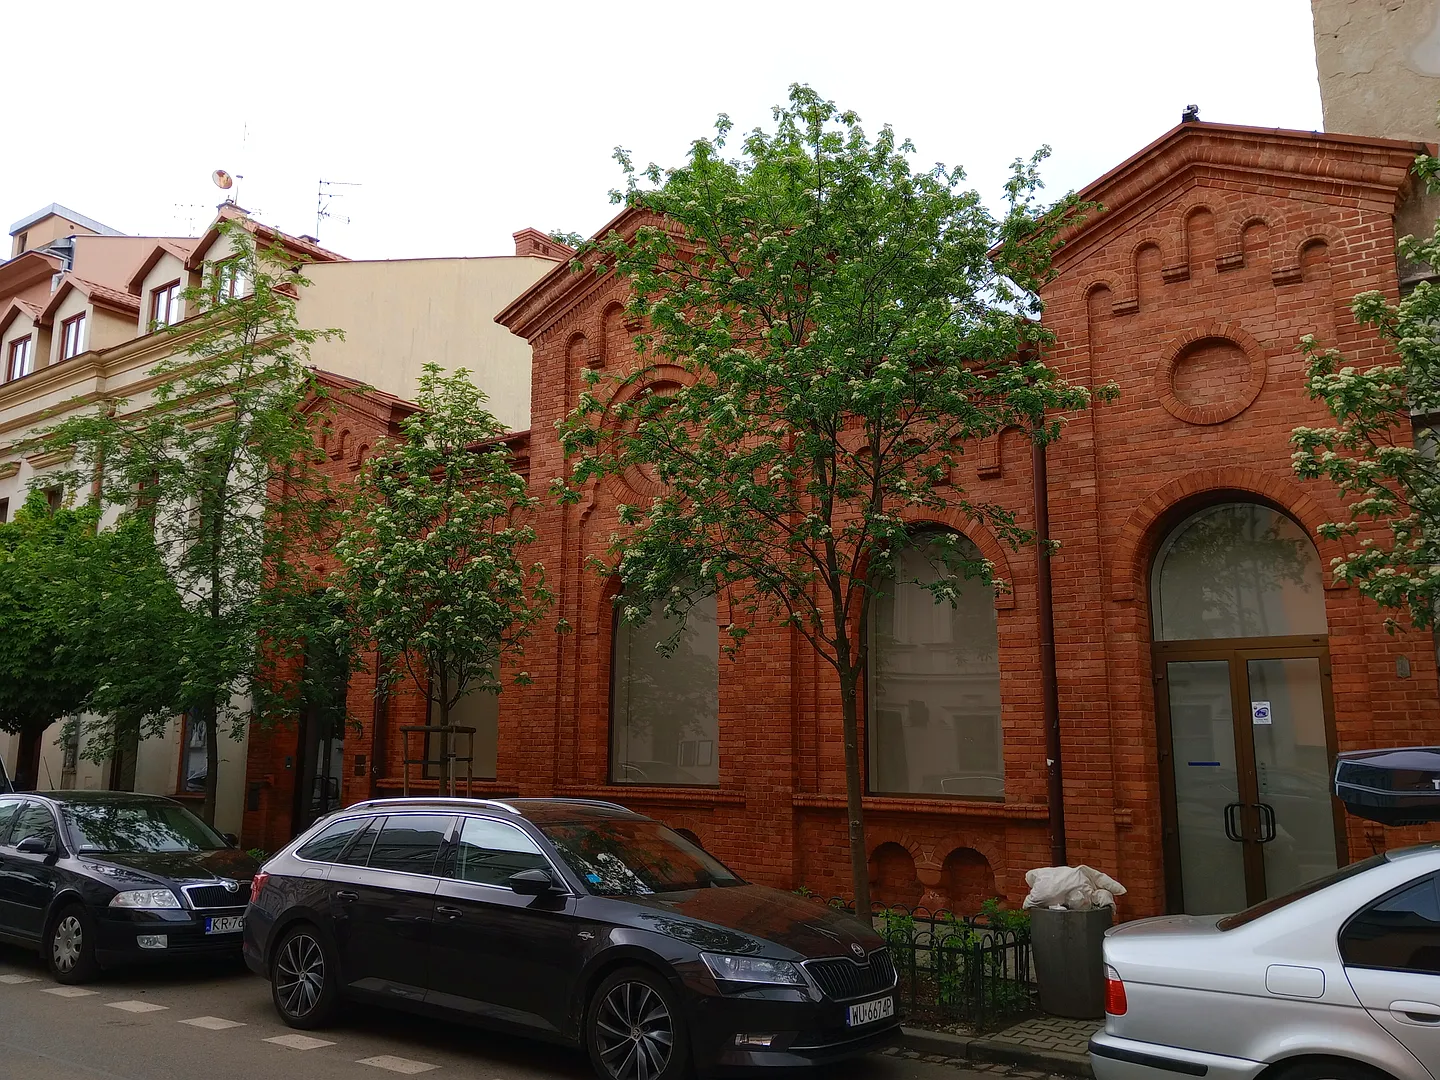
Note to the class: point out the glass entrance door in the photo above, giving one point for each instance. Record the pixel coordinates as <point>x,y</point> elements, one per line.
<point>1246,755</point>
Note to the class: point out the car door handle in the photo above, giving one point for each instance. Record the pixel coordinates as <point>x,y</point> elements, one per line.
<point>448,912</point>
<point>348,897</point>
<point>1416,1012</point>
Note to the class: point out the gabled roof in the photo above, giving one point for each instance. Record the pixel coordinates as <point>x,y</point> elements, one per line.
<point>561,288</point>
<point>27,269</point>
<point>99,295</point>
<point>180,248</point>
<point>69,215</point>
<point>18,307</point>
<point>295,245</point>
<point>1359,168</point>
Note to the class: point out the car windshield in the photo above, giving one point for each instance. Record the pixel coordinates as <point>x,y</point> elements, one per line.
<point>635,857</point>
<point>138,827</point>
<point>1275,903</point>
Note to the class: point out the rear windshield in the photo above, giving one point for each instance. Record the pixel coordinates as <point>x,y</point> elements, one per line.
<point>1275,903</point>
<point>635,857</point>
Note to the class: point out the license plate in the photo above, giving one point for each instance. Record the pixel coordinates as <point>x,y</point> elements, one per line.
<point>867,1012</point>
<point>227,924</point>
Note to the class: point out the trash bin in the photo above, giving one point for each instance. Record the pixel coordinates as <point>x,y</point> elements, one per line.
<point>1067,947</point>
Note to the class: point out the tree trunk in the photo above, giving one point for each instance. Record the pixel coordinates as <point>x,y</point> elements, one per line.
<point>446,737</point>
<point>27,760</point>
<point>212,760</point>
<point>854,790</point>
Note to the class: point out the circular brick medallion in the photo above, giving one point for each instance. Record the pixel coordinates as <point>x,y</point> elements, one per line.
<point>1211,375</point>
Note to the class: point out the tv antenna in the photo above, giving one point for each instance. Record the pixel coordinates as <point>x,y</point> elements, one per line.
<point>324,196</point>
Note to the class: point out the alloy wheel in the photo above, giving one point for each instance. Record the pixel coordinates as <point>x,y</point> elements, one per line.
<point>66,944</point>
<point>635,1032</point>
<point>300,975</point>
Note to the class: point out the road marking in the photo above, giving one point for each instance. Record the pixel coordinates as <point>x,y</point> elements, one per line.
<point>397,1064</point>
<point>136,1006</point>
<point>299,1042</point>
<point>212,1023</point>
<point>16,980</point>
<point>70,991</point>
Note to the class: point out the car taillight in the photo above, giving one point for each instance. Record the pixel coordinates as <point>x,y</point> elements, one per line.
<point>257,883</point>
<point>1115,1003</point>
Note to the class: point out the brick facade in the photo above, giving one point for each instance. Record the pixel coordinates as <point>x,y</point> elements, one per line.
<point>1219,248</point>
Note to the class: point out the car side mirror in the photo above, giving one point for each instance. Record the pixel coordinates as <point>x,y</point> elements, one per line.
<point>231,839</point>
<point>535,882</point>
<point>36,845</point>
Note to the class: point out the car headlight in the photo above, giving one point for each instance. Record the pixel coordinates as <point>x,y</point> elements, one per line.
<point>146,900</point>
<point>752,969</point>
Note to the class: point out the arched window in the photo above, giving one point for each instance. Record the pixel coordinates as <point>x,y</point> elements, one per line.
<point>933,687</point>
<point>665,708</point>
<point>1237,570</point>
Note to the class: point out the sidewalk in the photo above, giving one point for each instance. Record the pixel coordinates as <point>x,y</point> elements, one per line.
<point>1036,1047</point>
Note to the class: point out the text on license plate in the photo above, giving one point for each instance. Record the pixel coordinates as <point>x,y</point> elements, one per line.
<point>867,1012</point>
<point>229,924</point>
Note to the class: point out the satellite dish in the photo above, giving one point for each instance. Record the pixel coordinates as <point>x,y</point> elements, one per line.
<point>222,179</point>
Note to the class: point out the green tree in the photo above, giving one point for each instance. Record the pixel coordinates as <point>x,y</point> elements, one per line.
<point>1380,452</point>
<point>221,457</point>
<point>434,573</point>
<point>76,603</point>
<point>842,325</point>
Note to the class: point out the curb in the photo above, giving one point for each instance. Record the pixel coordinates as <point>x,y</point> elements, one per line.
<point>997,1051</point>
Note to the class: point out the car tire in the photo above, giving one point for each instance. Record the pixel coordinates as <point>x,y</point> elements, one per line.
<point>69,946</point>
<point>634,1012</point>
<point>304,978</point>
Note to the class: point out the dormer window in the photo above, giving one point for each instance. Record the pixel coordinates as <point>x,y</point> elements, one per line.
<point>230,280</point>
<point>72,336</point>
<point>21,361</point>
<point>165,305</point>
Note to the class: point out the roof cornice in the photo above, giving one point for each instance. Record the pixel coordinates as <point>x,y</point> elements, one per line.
<point>1350,167</point>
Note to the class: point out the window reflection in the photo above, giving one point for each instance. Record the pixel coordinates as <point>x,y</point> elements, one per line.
<point>665,713</point>
<point>934,682</point>
<point>1237,570</point>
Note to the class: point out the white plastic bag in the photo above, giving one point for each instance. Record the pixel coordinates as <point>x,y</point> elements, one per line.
<point>1075,888</point>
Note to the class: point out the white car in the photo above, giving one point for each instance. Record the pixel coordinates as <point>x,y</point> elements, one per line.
<point>1339,980</point>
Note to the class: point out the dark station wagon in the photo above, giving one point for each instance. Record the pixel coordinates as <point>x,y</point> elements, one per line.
<point>579,922</point>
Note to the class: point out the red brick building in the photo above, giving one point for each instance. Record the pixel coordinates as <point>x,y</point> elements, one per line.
<point>1208,666</point>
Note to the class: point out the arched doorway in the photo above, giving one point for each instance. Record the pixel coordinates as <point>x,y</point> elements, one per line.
<point>1243,704</point>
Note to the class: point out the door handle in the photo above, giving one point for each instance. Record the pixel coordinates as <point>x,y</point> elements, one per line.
<point>1232,822</point>
<point>1416,1012</point>
<point>348,897</point>
<point>1267,822</point>
<point>448,912</point>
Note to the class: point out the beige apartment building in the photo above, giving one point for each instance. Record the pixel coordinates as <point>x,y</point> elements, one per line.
<point>81,307</point>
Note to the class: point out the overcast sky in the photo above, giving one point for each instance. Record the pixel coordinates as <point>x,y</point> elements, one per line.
<point>464,122</point>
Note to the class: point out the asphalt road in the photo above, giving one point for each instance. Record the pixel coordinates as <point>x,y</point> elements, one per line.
<point>218,1023</point>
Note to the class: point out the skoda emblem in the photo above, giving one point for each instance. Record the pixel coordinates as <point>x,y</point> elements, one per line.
<point>229,885</point>
<point>856,948</point>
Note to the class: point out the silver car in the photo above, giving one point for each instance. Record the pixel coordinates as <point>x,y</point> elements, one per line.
<point>1332,982</point>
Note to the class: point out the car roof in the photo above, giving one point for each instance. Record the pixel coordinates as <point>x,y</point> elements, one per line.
<point>540,811</point>
<point>95,798</point>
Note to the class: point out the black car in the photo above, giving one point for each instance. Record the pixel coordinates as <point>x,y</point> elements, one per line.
<point>97,879</point>
<point>576,921</point>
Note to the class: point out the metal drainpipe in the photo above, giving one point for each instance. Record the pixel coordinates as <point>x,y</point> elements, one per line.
<point>1050,689</point>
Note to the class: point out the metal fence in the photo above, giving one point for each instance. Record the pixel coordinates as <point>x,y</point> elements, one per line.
<point>973,969</point>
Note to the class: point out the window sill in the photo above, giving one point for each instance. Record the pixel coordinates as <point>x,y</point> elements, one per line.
<point>679,793</point>
<point>953,805</point>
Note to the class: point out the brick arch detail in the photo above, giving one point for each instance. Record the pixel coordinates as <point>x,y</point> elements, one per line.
<point>1221,411</point>
<point>1130,566</point>
<point>1127,300</point>
<point>977,534</point>
<point>989,463</point>
<point>930,857</point>
<point>1287,243</point>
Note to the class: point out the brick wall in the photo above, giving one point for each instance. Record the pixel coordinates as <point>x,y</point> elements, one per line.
<point>1219,249</point>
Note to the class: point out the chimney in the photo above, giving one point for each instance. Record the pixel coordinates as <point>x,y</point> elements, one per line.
<point>536,243</point>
